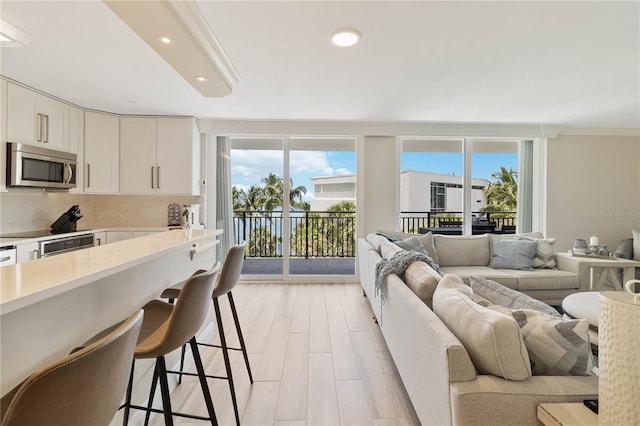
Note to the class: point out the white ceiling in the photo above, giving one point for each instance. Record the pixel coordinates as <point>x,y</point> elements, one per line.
<point>572,63</point>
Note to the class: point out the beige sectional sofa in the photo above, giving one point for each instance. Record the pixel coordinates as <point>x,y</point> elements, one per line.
<point>470,255</point>
<point>444,384</point>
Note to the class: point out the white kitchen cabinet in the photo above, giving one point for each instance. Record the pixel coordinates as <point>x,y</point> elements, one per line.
<point>27,252</point>
<point>159,156</point>
<point>99,238</point>
<point>115,236</point>
<point>36,119</point>
<point>178,156</point>
<point>138,170</point>
<point>76,145</point>
<point>101,152</point>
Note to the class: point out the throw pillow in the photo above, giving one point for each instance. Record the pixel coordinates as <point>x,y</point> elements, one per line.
<point>545,256</point>
<point>513,254</point>
<point>636,245</point>
<point>462,250</point>
<point>427,242</point>
<point>412,243</point>
<point>492,339</point>
<point>389,237</point>
<point>624,249</point>
<point>501,295</point>
<point>388,250</point>
<point>376,241</point>
<point>422,280</point>
<point>556,347</point>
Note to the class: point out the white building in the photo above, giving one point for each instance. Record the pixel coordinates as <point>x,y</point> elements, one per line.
<point>420,191</point>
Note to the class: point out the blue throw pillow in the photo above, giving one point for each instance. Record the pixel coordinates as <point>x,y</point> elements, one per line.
<point>513,254</point>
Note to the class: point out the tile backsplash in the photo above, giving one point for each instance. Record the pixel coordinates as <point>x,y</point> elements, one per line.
<point>29,210</point>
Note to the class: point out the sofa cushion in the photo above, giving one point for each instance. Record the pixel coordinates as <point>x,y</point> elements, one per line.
<point>426,239</point>
<point>412,243</point>
<point>513,254</point>
<point>503,276</point>
<point>388,249</point>
<point>376,240</point>
<point>456,250</point>
<point>422,280</point>
<point>556,347</point>
<point>548,279</point>
<point>545,256</point>
<point>498,294</point>
<point>493,339</point>
<point>636,245</point>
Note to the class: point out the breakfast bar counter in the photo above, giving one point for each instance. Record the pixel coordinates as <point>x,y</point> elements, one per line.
<point>51,305</point>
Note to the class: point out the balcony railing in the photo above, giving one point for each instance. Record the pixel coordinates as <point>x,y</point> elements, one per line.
<point>487,222</point>
<point>318,234</point>
<point>312,234</point>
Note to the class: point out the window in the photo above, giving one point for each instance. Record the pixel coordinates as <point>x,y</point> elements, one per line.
<point>438,197</point>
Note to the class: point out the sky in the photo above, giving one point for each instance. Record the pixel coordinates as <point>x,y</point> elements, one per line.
<point>249,167</point>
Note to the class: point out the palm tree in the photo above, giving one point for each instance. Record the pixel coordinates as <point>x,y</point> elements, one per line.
<point>502,193</point>
<point>274,191</point>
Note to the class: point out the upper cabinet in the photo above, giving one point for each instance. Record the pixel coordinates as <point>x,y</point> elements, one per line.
<point>36,119</point>
<point>101,152</point>
<point>159,156</point>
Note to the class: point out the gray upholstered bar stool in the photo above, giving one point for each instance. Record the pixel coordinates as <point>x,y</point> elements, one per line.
<point>84,388</point>
<point>167,327</point>
<point>229,276</point>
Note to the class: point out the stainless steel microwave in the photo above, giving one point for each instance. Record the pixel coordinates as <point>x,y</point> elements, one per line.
<point>32,166</point>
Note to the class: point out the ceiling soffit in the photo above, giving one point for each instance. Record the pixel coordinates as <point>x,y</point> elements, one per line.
<point>193,51</point>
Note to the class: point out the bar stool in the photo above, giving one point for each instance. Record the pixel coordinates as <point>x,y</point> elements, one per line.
<point>84,388</point>
<point>228,279</point>
<point>167,327</point>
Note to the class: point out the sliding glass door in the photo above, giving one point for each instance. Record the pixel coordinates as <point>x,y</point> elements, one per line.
<point>294,204</point>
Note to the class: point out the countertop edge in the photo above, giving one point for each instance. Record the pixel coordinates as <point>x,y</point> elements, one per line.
<point>37,296</point>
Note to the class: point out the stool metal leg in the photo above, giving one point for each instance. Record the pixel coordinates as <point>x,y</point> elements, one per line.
<point>152,394</point>
<point>164,390</point>
<point>184,348</point>
<point>203,381</point>
<point>227,364</point>
<point>240,337</point>
<point>127,404</point>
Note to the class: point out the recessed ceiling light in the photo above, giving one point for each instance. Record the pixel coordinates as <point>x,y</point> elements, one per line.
<point>165,39</point>
<point>201,78</point>
<point>345,38</point>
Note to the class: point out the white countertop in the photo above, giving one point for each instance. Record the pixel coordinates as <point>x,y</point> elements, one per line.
<point>13,241</point>
<point>27,283</point>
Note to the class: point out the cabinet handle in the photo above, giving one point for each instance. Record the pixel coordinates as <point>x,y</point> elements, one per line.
<point>88,175</point>
<point>46,127</point>
<point>151,177</point>
<point>158,180</point>
<point>99,241</point>
<point>39,127</point>
<point>35,254</point>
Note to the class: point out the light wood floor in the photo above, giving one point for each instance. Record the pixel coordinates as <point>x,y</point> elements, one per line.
<point>317,359</point>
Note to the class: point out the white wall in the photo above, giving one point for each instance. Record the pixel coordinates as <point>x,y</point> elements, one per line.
<point>593,188</point>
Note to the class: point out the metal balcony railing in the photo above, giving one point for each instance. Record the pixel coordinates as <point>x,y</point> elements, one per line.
<point>312,233</point>
<point>317,234</point>
<point>484,222</point>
